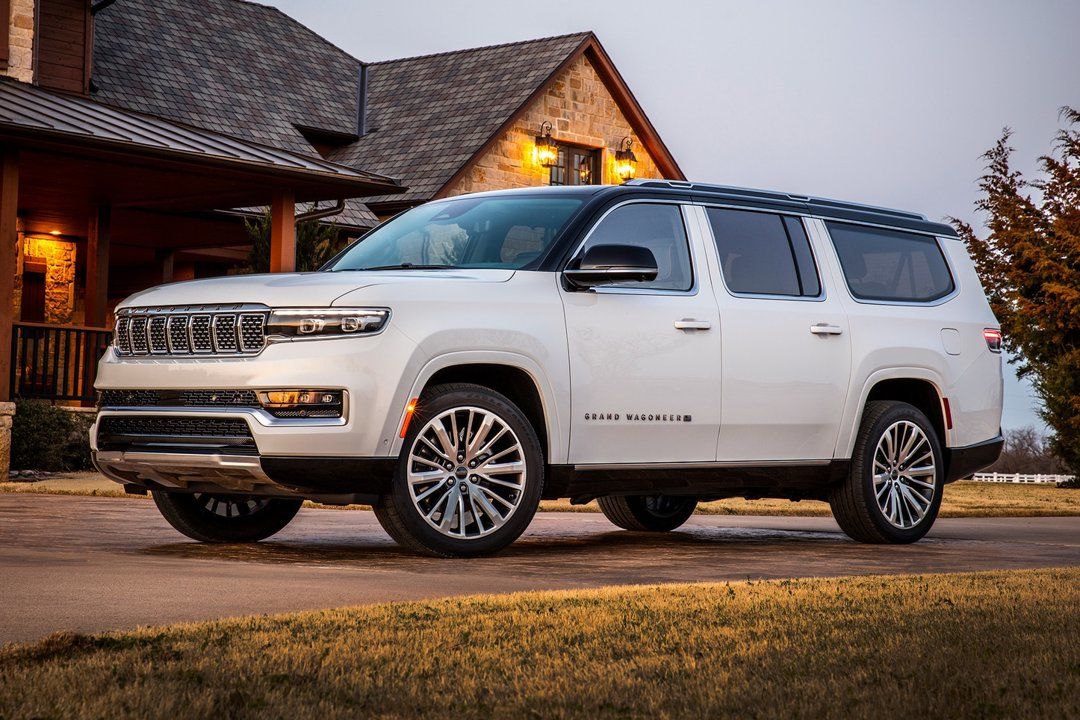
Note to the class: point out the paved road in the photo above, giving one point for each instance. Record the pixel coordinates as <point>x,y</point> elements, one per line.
<point>92,564</point>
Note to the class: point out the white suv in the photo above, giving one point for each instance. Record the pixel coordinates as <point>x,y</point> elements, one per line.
<point>650,346</point>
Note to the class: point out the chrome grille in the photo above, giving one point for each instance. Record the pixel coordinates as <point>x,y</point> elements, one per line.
<point>192,330</point>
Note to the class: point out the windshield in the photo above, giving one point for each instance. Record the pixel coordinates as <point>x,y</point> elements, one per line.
<point>480,232</point>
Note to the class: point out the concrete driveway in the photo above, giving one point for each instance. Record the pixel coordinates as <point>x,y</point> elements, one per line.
<point>92,564</point>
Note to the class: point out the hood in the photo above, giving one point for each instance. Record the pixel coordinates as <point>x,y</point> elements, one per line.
<point>316,289</point>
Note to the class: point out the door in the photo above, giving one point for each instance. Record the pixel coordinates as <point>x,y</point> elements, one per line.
<point>645,357</point>
<point>32,307</point>
<point>787,350</point>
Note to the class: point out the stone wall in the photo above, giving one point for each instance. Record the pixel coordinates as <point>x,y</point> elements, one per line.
<point>59,259</point>
<point>581,111</point>
<point>21,41</point>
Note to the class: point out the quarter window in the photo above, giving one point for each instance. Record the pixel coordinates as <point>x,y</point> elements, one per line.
<point>890,265</point>
<point>656,227</point>
<point>764,254</point>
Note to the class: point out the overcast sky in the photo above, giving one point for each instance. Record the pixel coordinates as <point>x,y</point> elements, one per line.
<point>882,102</point>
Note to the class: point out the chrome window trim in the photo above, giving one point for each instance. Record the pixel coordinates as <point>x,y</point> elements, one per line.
<point>822,296</point>
<point>620,290</point>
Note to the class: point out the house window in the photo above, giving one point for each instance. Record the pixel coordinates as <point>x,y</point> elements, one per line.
<point>576,166</point>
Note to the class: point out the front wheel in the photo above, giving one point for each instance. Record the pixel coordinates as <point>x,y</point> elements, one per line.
<point>217,518</point>
<point>654,513</point>
<point>893,490</point>
<point>470,475</point>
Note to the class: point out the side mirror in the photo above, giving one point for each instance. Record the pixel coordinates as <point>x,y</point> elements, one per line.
<point>611,265</point>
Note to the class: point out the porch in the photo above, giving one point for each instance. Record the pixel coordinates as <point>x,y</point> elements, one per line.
<point>97,203</point>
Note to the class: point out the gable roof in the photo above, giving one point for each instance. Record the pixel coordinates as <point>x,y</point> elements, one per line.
<point>429,117</point>
<point>234,67</point>
<point>251,71</point>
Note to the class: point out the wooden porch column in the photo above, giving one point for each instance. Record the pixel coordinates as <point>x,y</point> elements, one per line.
<point>283,232</point>
<point>9,240</point>
<point>97,266</point>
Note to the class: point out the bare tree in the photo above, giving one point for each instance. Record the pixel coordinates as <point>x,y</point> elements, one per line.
<point>1027,451</point>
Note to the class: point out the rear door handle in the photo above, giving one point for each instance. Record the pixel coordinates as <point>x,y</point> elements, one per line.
<point>691,324</point>
<point>826,329</point>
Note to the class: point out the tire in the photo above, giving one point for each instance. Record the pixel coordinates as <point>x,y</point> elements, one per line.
<point>219,518</point>
<point>438,467</point>
<point>904,494</point>
<point>652,513</point>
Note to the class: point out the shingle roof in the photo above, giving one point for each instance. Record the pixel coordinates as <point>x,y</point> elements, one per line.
<point>428,115</point>
<point>238,68</point>
<point>33,112</point>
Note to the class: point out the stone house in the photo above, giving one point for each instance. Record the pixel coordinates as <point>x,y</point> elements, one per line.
<point>135,135</point>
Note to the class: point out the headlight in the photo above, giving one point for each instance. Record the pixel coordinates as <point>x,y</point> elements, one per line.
<point>326,322</point>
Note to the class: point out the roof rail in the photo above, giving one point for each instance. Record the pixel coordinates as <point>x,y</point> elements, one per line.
<point>773,195</point>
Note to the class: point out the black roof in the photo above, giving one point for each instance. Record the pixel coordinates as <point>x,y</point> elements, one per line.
<point>810,205</point>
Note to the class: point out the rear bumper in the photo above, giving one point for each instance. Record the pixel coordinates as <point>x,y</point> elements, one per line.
<point>962,462</point>
<point>334,480</point>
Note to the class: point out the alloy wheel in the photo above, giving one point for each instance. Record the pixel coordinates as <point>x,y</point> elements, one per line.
<point>230,507</point>
<point>466,472</point>
<point>904,474</point>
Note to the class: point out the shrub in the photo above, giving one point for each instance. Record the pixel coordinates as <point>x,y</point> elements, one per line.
<point>45,437</point>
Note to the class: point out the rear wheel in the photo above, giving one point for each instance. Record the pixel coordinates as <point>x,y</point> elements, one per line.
<point>470,475</point>
<point>655,513</point>
<point>893,490</point>
<point>219,518</point>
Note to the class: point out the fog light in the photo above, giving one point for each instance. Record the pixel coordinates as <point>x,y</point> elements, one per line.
<point>303,403</point>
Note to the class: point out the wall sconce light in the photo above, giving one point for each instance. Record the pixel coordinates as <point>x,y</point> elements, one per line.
<point>625,160</point>
<point>547,152</point>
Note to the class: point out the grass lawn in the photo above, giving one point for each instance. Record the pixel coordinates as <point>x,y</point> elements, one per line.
<point>962,499</point>
<point>960,646</point>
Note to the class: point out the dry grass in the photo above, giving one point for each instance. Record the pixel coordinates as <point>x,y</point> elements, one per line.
<point>962,499</point>
<point>966,645</point>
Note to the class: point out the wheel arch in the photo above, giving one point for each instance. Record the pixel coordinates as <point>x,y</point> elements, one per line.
<point>516,376</point>
<point>916,386</point>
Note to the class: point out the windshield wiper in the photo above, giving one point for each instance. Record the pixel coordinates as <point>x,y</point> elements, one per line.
<point>404,266</point>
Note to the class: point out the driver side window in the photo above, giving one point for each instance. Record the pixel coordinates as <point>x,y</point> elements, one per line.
<point>658,227</point>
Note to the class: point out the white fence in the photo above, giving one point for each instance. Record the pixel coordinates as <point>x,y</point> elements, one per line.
<point>1022,478</point>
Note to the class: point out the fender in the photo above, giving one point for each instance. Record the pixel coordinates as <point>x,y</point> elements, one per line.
<point>558,440</point>
<point>849,425</point>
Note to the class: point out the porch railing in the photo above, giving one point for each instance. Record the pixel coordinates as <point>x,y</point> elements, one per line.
<point>56,362</point>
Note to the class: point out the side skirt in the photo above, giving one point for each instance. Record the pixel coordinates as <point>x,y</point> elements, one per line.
<point>799,480</point>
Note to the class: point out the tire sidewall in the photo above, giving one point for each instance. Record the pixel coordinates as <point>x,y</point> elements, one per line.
<point>400,496</point>
<point>661,523</point>
<point>187,515</point>
<point>864,466</point>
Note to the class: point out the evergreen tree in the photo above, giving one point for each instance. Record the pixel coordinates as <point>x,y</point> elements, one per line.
<point>1029,263</point>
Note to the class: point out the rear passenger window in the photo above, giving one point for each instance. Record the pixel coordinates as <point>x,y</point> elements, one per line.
<point>658,227</point>
<point>764,254</point>
<point>890,265</point>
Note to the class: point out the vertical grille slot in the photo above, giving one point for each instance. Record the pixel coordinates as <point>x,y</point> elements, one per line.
<point>156,333</point>
<point>139,344</point>
<point>252,332</point>
<point>123,339</point>
<point>225,334</point>
<point>179,342</point>
<point>200,334</point>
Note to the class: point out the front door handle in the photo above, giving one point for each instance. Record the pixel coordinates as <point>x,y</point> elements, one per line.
<point>691,324</point>
<point>826,329</point>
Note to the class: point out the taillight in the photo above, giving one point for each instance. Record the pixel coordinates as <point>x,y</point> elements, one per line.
<point>993,339</point>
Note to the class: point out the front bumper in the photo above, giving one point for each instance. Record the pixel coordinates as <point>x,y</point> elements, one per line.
<point>333,480</point>
<point>962,462</point>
